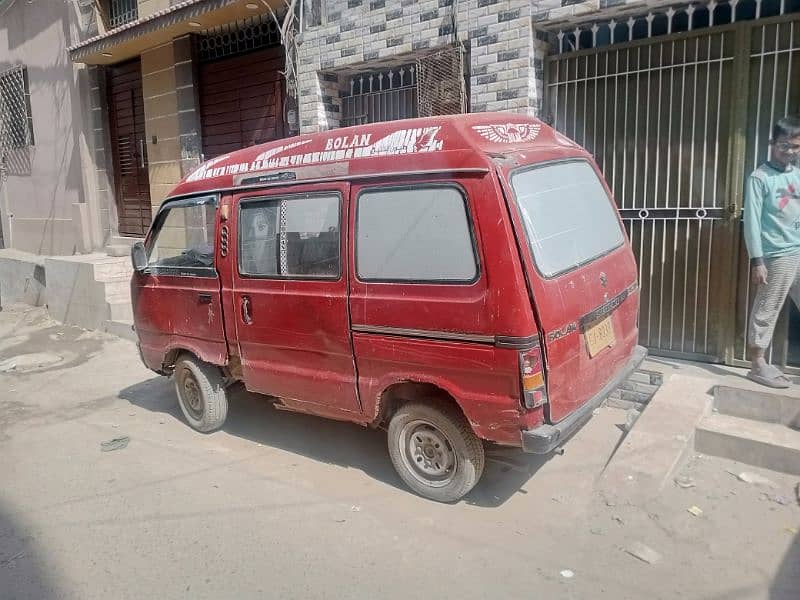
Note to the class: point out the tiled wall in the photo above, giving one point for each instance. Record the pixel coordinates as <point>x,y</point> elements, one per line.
<point>360,35</point>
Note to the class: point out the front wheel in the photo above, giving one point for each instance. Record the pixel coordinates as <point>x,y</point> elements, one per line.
<point>201,393</point>
<point>435,451</point>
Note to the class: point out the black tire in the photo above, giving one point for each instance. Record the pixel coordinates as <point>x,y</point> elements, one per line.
<point>201,393</point>
<point>435,451</point>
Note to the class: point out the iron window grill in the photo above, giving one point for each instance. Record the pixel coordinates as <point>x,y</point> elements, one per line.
<point>383,95</point>
<point>239,37</point>
<point>16,122</point>
<point>121,12</point>
<point>442,86</point>
<point>675,19</point>
<point>433,85</point>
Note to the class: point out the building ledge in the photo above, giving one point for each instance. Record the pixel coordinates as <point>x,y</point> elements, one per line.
<point>130,40</point>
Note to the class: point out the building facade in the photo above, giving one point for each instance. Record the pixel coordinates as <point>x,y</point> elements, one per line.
<point>43,189</point>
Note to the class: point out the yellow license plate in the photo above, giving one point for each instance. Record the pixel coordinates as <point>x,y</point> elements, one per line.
<point>599,336</point>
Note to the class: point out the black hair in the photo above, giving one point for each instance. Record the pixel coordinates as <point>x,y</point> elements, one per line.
<point>785,128</point>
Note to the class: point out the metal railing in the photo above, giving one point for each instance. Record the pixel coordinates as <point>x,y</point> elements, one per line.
<point>121,12</point>
<point>386,95</point>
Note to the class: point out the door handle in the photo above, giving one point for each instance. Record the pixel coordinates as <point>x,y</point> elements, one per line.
<point>246,316</point>
<point>204,298</point>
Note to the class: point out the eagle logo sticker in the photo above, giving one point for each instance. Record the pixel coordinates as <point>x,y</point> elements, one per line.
<point>509,133</point>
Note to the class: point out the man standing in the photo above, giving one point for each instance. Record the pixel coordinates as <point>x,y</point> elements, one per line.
<point>772,235</point>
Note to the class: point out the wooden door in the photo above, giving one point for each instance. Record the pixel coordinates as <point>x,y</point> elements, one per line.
<point>241,101</point>
<point>129,148</point>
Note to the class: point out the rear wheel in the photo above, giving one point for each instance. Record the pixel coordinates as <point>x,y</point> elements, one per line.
<point>435,451</point>
<point>201,393</point>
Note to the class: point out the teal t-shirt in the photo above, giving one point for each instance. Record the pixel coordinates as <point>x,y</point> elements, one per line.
<point>772,212</point>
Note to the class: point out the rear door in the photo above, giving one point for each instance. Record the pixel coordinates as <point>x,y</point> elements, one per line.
<point>582,274</point>
<point>290,296</point>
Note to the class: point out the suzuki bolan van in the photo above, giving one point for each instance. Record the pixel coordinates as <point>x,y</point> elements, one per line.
<point>456,280</point>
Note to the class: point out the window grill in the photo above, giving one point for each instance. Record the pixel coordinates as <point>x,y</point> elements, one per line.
<point>121,12</point>
<point>239,37</point>
<point>385,95</point>
<point>432,85</point>
<point>16,123</point>
<point>442,87</point>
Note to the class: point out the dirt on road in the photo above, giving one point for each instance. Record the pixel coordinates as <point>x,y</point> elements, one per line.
<point>280,505</point>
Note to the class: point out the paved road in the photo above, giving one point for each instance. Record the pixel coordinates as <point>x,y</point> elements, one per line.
<point>279,505</point>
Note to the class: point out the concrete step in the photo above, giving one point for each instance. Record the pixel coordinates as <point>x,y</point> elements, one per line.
<point>119,240</point>
<point>637,390</point>
<point>121,310</point>
<point>767,445</point>
<point>655,446</point>
<point>117,290</point>
<point>757,405</point>
<point>112,268</point>
<point>119,250</point>
<point>123,329</point>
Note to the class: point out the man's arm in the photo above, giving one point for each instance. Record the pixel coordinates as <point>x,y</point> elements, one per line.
<point>753,204</point>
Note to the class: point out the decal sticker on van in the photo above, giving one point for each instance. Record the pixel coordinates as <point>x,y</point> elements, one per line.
<point>337,148</point>
<point>509,133</point>
<point>557,334</point>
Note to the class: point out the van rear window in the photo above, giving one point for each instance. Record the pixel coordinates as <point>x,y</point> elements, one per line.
<point>569,219</point>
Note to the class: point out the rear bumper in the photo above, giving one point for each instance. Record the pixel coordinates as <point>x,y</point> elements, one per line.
<point>545,438</point>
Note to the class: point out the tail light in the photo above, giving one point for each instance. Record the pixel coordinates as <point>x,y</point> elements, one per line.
<point>534,391</point>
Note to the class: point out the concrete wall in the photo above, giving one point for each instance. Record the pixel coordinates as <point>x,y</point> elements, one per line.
<point>22,278</point>
<point>44,181</point>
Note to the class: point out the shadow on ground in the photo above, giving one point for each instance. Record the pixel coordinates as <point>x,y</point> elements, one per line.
<point>786,585</point>
<point>22,575</point>
<point>251,417</point>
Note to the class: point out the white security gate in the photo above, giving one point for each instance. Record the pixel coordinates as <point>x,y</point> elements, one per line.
<point>676,109</point>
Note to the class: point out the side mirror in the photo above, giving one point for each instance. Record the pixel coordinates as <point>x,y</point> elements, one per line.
<point>139,257</point>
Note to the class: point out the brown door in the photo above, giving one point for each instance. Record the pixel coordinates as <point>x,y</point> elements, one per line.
<point>241,101</point>
<point>129,147</point>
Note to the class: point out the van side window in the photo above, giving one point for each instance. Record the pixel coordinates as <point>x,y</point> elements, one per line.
<point>419,234</point>
<point>184,238</point>
<point>296,237</point>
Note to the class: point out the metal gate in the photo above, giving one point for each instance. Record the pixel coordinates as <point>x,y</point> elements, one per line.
<point>772,90</point>
<point>676,122</point>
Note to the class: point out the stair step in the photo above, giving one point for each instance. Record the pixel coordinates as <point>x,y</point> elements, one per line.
<point>123,329</point>
<point>757,405</point>
<point>117,289</point>
<point>768,445</point>
<point>121,311</point>
<point>118,250</point>
<point>112,268</point>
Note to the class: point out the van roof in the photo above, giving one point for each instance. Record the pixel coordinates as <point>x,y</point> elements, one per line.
<point>455,143</point>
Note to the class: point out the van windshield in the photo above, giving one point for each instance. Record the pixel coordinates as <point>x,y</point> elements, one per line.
<point>569,219</point>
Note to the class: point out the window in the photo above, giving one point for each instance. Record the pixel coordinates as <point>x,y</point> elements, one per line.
<point>569,219</point>
<point>16,123</point>
<point>419,234</point>
<point>184,238</point>
<point>296,237</point>
<point>121,12</point>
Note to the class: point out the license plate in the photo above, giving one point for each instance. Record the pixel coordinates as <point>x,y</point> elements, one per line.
<point>599,336</point>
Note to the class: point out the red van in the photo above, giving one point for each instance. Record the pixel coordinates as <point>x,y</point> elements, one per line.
<point>455,279</point>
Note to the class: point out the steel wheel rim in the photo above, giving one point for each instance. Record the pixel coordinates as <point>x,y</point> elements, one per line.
<point>190,392</point>
<point>427,453</point>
